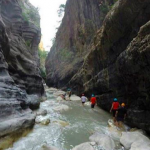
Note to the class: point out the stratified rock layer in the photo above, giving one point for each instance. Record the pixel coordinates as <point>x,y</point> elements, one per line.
<point>116,63</point>
<point>72,42</point>
<point>19,72</point>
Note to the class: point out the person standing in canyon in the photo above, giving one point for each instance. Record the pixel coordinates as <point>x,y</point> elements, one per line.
<point>120,115</point>
<point>93,101</point>
<point>114,108</point>
<point>83,99</point>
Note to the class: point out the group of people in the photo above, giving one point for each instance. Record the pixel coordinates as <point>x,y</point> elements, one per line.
<point>93,100</point>
<point>119,111</point>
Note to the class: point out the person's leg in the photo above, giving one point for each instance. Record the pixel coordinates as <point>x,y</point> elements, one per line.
<point>116,124</point>
<point>92,106</point>
<point>114,113</point>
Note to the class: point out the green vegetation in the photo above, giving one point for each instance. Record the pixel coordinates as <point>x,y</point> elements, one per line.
<point>42,56</point>
<point>30,13</point>
<point>105,7</point>
<point>65,54</point>
<point>61,10</point>
<point>28,43</point>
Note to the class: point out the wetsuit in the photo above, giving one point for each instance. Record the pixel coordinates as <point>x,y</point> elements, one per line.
<point>93,102</point>
<point>121,114</point>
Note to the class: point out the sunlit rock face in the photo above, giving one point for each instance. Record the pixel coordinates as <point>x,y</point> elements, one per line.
<point>113,63</point>
<point>81,21</point>
<point>19,66</point>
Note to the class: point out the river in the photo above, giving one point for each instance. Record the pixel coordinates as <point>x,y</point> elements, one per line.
<point>79,124</point>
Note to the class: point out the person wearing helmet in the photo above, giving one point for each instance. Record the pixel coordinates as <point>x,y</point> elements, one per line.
<point>114,108</point>
<point>120,115</point>
<point>93,101</point>
<point>69,93</point>
<point>83,99</point>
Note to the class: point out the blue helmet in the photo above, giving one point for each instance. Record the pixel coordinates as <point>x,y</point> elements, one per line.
<point>92,95</point>
<point>115,99</point>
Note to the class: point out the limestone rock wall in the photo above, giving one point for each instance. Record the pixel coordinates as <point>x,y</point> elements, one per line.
<point>118,64</point>
<point>115,62</point>
<point>80,23</point>
<point>19,67</point>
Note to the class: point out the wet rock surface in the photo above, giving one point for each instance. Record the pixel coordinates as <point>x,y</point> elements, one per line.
<point>84,146</point>
<point>19,68</point>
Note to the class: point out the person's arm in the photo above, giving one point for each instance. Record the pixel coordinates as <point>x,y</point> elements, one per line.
<point>111,107</point>
<point>125,116</point>
<point>86,99</point>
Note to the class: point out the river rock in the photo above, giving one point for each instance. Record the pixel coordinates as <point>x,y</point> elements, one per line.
<point>51,90</point>
<point>128,138</point>
<point>42,120</point>
<point>59,98</point>
<point>113,131</point>
<point>103,140</point>
<point>75,98</point>
<point>62,123</point>
<point>84,146</point>
<point>42,113</point>
<point>46,147</point>
<point>58,93</point>
<point>61,108</point>
<point>141,145</point>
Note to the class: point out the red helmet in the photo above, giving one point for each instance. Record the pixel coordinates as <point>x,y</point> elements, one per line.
<point>82,94</point>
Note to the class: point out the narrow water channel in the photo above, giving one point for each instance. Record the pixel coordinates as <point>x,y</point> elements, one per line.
<point>68,128</point>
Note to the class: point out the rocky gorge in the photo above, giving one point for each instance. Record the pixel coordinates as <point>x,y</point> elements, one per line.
<point>21,86</point>
<point>107,56</point>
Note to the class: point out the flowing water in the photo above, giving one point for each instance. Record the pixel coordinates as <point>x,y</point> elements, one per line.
<point>79,124</point>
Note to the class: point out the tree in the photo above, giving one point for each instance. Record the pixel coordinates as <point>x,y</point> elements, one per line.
<point>61,10</point>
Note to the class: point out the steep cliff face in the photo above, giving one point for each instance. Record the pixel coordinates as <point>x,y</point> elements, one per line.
<point>19,66</point>
<point>116,63</point>
<point>73,39</point>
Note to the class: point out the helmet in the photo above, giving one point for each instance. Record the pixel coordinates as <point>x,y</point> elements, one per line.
<point>123,104</point>
<point>115,99</point>
<point>69,89</point>
<point>92,95</point>
<point>82,94</point>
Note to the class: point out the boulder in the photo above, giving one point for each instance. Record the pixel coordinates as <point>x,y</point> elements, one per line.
<point>113,131</point>
<point>42,120</point>
<point>42,113</point>
<point>61,108</point>
<point>58,93</point>
<point>84,146</point>
<point>75,98</point>
<point>128,138</point>
<point>141,145</point>
<point>46,147</point>
<point>59,98</point>
<point>102,140</point>
<point>62,123</point>
<point>51,90</point>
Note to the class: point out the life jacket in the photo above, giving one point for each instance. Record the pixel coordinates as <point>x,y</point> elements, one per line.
<point>93,100</point>
<point>115,105</point>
